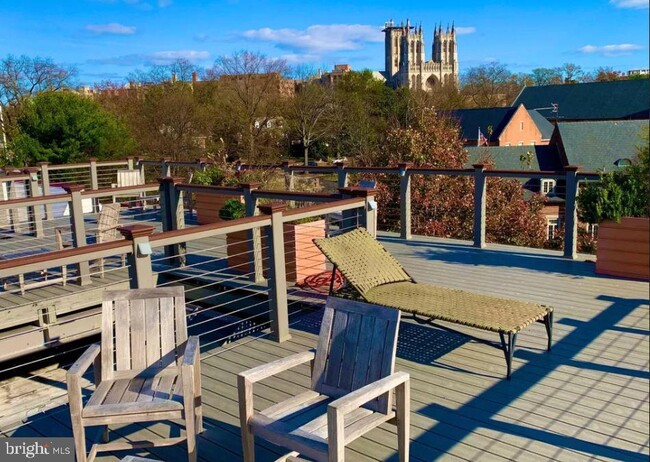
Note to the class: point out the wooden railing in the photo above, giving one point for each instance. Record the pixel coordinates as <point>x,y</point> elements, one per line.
<point>570,176</point>
<point>355,205</point>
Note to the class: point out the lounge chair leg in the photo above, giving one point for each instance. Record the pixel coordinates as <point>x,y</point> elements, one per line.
<point>508,349</point>
<point>548,322</point>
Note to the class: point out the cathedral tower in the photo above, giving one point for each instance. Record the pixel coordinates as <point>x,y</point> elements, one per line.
<point>405,60</point>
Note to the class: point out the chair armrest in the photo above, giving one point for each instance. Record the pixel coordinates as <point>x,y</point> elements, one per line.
<point>83,363</point>
<point>361,396</point>
<point>192,351</point>
<point>74,374</point>
<point>275,367</point>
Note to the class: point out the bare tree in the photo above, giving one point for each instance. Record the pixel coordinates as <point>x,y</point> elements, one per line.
<point>181,69</point>
<point>22,77</point>
<point>490,85</point>
<point>254,81</point>
<point>311,115</point>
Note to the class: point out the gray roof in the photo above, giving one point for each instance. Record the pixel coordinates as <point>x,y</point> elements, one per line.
<point>597,145</point>
<point>516,157</point>
<point>621,99</point>
<point>471,120</point>
<point>545,127</point>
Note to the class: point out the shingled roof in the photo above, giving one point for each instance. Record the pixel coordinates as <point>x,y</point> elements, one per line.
<point>598,145</point>
<point>516,157</point>
<point>621,99</point>
<point>471,120</point>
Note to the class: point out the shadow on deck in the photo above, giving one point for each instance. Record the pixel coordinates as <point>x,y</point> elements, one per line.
<point>587,399</point>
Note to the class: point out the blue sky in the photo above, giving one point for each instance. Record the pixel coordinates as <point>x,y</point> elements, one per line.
<point>106,39</point>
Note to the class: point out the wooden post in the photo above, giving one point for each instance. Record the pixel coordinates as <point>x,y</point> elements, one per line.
<point>341,174</point>
<point>78,230</point>
<point>571,212</point>
<point>254,236</point>
<point>94,182</point>
<point>140,273</point>
<point>140,164</point>
<point>165,168</point>
<point>172,217</point>
<point>130,163</point>
<point>45,179</point>
<point>479,205</point>
<point>34,213</point>
<point>405,200</point>
<point>288,176</point>
<point>277,273</point>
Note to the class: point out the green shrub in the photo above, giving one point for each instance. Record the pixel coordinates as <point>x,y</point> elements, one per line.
<point>210,176</point>
<point>624,193</point>
<point>232,210</point>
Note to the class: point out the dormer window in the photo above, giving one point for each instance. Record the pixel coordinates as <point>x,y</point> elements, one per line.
<point>622,163</point>
<point>548,186</point>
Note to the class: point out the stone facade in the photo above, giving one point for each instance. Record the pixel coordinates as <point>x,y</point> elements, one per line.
<point>406,65</point>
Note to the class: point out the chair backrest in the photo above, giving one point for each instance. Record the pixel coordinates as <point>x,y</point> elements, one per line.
<point>129,178</point>
<point>107,222</point>
<point>362,260</point>
<point>356,346</point>
<point>143,330</point>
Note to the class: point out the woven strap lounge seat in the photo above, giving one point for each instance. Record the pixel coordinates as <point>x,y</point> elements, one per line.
<point>376,276</point>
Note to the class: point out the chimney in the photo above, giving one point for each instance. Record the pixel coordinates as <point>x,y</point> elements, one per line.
<point>195,77</point>
<point>174,78</point>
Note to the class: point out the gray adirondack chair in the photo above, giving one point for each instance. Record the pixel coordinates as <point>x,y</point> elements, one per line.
<point>146,369</point>
<point>352,387</point>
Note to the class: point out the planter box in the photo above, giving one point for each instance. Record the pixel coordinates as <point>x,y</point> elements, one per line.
<point>302,257</point>
<point>624,248</point>
<point>207,206</point>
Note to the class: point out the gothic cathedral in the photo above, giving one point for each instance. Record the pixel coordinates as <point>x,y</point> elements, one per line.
<point>406,65</point>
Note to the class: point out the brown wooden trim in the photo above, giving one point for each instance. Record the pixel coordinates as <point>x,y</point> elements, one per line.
<point>121,189</point>
<point>133,231</point>
<point>47,257</point>
<point>290,195</point>
<point>319,207</point>
<point>40,200</point>
<point>208,227</point>
<point>273,207</point>
<point>188,187</point>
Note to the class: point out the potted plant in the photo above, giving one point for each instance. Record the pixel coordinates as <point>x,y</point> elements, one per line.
<point>208,205</point>
<point>619,203</point>
<point>237,242</point>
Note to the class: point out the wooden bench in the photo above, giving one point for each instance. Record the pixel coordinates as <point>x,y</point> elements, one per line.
<point>375,276</point>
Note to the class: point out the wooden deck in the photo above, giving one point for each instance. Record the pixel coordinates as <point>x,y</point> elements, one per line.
<point>587,399</point>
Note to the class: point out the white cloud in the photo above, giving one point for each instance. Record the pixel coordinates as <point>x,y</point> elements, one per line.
<point>611,50</point>
<point>164,3</point>
<point>465,30</point>
<point>111,28</point>
<point>157,57</point>
<point>635,4</point>
<point>300,58</point>
<point>166,57</point>
<point>319,38</point>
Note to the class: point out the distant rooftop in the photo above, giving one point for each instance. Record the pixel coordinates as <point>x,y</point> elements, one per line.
<point>621,99</point>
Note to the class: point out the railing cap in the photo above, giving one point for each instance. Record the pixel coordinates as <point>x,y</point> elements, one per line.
<point>357,191</point>
<point>572,168</point>
<point>405,165</point>
<point>165,159</point>
<point>171,179</point>
<point>31,170</point>
<point>479,165</point>
<point>133,231</point>
<point>70,188</point>
<point>251,185</point>
<point>43,163</point>
<point>273,207</point>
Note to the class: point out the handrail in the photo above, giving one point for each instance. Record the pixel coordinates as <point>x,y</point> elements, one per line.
<point>197,188</point>
<point>199,232</point>
<point>39,200</point>
<point>108,192</point>
<point>321,209</point>
<point>294,195</point>
<point>74,255</point>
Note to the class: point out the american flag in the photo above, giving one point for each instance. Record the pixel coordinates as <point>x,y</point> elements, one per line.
<point>482,140</point>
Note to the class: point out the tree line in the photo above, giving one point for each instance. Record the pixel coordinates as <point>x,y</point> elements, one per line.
<point>239,108</point>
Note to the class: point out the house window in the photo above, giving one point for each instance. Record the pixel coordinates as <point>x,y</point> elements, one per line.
<point>521,125</point>
<point>552,225</point>
<point>521,143</point>
<point>592,229</point>
<point>257,124</point>
<point>548,186</point>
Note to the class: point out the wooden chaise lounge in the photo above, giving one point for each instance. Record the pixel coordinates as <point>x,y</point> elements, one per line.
<point>375,276</point>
